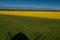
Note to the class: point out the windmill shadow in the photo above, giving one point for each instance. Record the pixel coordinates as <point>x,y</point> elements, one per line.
<point>19,36</point>
<point>22,36</point>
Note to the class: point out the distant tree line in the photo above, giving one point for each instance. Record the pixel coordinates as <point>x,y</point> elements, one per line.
<point>27,10</point>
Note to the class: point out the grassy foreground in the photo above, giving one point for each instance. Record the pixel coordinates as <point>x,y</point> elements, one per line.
<point>49,28</point>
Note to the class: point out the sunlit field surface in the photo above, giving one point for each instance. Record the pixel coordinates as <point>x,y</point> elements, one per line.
<point>31,23</point>
<point>42,14</point>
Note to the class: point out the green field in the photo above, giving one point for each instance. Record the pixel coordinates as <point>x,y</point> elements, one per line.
<point>49,28</point>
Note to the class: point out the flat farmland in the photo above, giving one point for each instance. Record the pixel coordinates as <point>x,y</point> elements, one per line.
<point>31,23</point>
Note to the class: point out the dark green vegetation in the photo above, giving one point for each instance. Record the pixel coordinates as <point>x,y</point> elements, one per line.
<point>28,10</point>
<point>49,28</point>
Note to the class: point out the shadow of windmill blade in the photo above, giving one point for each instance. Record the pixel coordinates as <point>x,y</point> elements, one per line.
<point>6,36</point>
<point>9,35</point>
<point>39,36</point>
<point>36,36</point>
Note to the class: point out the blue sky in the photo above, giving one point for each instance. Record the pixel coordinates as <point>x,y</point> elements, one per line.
<point>41,4</point>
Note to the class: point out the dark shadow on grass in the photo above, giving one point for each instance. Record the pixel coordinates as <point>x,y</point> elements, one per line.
<point>19,36</point>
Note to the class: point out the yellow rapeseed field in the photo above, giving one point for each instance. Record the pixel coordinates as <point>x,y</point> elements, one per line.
<point>41,14</point>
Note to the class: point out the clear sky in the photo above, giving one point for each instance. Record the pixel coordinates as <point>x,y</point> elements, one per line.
<point>44,4</point>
